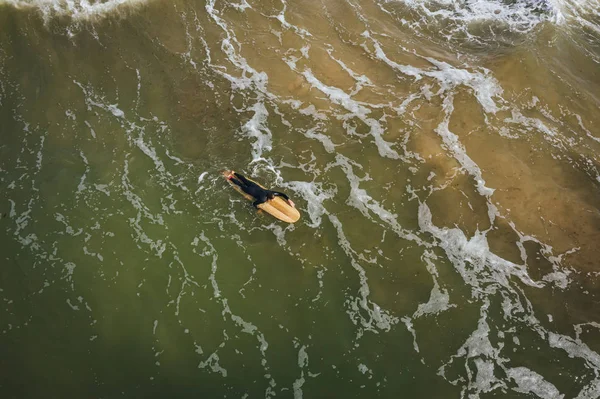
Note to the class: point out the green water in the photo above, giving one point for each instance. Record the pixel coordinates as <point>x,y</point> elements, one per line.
<point>446,168</point>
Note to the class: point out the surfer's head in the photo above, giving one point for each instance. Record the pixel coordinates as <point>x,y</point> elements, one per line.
<point>270,196</point>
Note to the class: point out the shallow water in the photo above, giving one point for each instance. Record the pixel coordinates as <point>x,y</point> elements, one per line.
<point>443,154</point>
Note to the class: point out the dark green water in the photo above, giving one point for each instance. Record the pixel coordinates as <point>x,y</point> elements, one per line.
<point>445,164</point>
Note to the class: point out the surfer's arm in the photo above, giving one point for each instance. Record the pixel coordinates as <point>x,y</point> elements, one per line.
<point>257,203</point>
<point>277,193</point>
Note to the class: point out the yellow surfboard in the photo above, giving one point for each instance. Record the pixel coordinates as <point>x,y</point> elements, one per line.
<point>277,207</point>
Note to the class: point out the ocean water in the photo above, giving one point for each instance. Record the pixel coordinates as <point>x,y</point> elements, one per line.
<point>444,154</point>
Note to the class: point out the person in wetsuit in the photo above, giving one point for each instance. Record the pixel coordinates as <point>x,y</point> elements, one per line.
<point>262,195</point>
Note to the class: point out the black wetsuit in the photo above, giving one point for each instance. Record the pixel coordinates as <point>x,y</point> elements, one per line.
<point>255,190</point>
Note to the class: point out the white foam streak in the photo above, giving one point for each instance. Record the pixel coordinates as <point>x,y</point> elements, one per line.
<point>486,274</point>
<point>529,381</point>
<point>457,150</point>
<point>575,348</point>
<point>281,18</point>
<point>378,318</point>
<point>361,200</point>
<point>257,128</point>
<point>479,350</point>
<point>314,194</point>
<point>439,299</point>
<point>213,363</point>
<point>242,6</point>
<point>201,177</point>
<point>482,83</point>
<point>82,185</point>
<point>249,79</point>
<point>407,70</point>
<point>91,100</point>
<point>245,326</point>
<point>312,133</point>
<point>592,390</point>
<point>361,80</point>
<point>302,363</point>
<point>338,96</point>
<point>409,326</point>
<point>449,78</point>
<point>484,266</point>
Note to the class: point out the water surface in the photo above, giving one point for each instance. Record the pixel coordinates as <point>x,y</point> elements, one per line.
<point>443,154</point>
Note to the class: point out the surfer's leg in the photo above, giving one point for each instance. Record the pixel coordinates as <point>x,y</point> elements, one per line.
<point>243,179</point>
<point>236,182</point>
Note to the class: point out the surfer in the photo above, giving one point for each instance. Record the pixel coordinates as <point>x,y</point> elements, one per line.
<point>260,194</point>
